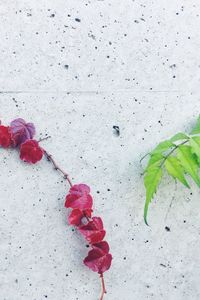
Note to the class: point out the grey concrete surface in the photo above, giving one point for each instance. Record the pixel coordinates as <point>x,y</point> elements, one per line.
<point>75,69</point>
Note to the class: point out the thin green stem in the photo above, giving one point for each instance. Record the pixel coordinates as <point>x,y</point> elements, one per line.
<point>172,152</point>
<point>143,157</point>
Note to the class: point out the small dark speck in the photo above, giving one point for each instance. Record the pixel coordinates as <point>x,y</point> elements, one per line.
<point>167,228</point>
<point>173,66</point>
<point>116,130</point>
<point>66,66</point>
<point>52,16</point>
<point>162,265</point>
<point>77,20</point>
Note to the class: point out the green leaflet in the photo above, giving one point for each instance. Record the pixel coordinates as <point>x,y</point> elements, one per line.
<point>195,144</point>
<point>154,161</point>
<point>179,136</point>
<point>189,162</point>
<point>162,147</point>
<point>174,169</point>
<point>196,128</point>
<point>151,181</point>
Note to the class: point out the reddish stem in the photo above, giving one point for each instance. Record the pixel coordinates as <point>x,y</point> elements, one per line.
<point>44,139</point>
<point>103,286</point>
<point>57,168</point>
<point>66,176</point>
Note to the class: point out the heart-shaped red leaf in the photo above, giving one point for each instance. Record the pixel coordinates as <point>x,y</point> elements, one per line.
<point>93,231</point>
<point>77,215</point>
<point>79,197</point>
<point>31,152</point>
<point>98,261</point>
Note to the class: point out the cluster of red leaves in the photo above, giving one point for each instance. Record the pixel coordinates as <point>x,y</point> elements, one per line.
<point>20,134</point>
<point>79,199</point>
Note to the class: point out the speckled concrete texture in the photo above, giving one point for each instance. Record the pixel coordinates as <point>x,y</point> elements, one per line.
<point>76,69</point>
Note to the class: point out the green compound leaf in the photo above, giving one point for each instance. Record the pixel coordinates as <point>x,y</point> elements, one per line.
<point>179,136</point>
<point>175,169</point>
<point>195,144</point>
<point>151,181</point>
<point>154,161</point>
<point>196,128</point>
<point>189,162</point>
<point>179,155</point>
<point>162,147</point>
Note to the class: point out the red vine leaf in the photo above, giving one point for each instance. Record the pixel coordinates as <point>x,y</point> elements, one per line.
<point>93,231</point>
<point>79,197</point>
<point>77,215</point>
<point>21,131</point>
<point>5,136</point>
<point>98,259</point>
<point>103,246</point>
<point>31,152</point>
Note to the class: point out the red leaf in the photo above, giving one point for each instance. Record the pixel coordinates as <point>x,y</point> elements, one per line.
<point>76,216</point>
<point>98,261</point>
<point>103,246</point>
<point>30,151</point>
<point>79,197</point>
<point>5,136</point>
<point>93,231</point>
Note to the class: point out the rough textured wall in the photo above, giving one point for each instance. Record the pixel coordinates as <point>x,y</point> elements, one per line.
<point>76,68</point>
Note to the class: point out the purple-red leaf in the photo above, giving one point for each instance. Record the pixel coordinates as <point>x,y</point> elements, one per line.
<point>21,131</point>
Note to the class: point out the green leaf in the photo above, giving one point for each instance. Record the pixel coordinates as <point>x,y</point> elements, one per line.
<point>196,128</point>
<point>189,162</point>
<point>174,169</point>
<point>154,161</point>
<point>195,144</point>
<point>151,181</point>
<point>162,147</point>
<point>179,136</point>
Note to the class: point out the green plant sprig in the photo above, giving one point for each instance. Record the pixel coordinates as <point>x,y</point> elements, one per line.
<point>179,155</point>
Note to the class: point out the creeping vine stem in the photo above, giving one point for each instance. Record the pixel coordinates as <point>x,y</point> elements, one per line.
<point>66,176</point>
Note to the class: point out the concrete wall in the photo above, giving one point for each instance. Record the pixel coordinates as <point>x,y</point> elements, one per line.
<point>76,68</point>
